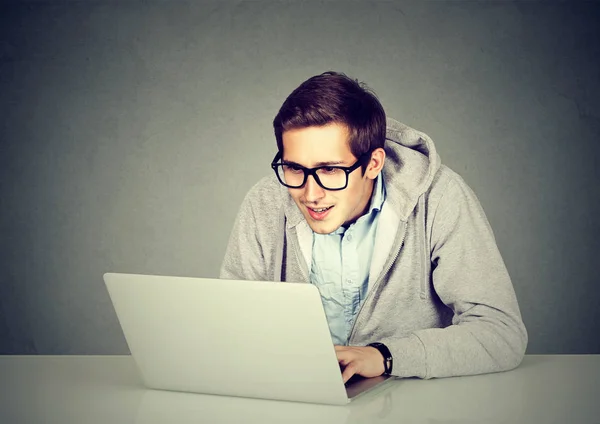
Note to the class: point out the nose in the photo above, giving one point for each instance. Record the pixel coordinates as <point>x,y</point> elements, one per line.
<point>313,191</point>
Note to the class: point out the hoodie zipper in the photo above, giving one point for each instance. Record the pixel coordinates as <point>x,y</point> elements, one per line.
<point>425,247</point>
<point>379,280</point>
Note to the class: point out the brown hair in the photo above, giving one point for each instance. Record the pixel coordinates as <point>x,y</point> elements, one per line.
<point>334,97</point>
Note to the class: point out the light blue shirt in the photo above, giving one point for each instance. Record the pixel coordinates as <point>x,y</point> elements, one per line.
<point>340,267</point>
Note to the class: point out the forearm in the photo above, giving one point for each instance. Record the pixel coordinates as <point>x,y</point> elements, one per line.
<point>476,347</point>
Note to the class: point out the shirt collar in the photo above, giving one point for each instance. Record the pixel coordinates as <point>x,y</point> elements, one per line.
<point>378,196</point>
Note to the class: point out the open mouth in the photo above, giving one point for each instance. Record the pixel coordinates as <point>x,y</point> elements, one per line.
<point>321,209</point>
<point>318,213</point>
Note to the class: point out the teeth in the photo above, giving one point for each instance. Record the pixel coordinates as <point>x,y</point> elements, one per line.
<point>320,210</point>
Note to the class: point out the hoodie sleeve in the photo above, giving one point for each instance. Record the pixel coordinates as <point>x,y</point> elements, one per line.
<point>487,332</point>
<point>244,258</point>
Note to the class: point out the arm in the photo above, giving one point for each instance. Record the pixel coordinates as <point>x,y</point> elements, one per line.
<point>487,333</point>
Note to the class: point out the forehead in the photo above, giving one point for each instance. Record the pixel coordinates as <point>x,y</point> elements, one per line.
<point>307,146</point>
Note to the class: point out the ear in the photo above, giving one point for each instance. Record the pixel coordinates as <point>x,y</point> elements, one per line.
<point>375,164</point>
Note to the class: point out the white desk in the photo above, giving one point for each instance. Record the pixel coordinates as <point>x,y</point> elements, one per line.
<point>107,389</point>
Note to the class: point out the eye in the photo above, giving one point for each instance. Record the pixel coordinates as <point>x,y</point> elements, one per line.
<point>294,169</point>
<point>330,170</point>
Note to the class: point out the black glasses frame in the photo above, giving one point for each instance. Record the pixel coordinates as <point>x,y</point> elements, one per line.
<point>313,171</point>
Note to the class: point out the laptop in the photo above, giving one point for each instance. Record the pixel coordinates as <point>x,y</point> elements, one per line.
<point>257,339</point>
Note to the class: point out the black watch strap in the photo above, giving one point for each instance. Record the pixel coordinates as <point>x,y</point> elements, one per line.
<point>388,360</point>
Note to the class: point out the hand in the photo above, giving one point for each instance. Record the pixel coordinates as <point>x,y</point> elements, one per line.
<point>362,360</point>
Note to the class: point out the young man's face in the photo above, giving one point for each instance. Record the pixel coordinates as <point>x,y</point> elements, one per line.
<point>328,145</point>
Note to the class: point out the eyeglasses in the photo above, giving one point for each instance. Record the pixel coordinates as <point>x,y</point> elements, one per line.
<point>329,177</point>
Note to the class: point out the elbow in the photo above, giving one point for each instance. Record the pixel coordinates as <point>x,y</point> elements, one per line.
<point>522,346</point>
<point>514,352</point>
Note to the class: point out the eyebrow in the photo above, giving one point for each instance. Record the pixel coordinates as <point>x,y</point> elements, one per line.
<point>317,165</point>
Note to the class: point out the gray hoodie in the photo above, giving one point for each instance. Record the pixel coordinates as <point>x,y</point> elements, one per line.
<point>439,294</point>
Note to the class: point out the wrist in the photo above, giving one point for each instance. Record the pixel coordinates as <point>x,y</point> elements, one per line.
<point>388,360</point>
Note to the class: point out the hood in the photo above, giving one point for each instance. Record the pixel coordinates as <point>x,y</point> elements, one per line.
<point>411,163</point>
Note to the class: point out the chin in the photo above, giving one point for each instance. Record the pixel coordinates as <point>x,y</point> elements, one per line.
<point>322,231</point>
<point>322,227</point>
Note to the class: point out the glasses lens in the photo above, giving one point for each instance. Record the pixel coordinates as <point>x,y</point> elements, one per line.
<point>290,175</point>
<point>332,178</point>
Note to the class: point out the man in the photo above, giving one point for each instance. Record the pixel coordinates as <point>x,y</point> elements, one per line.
<point>410,276</point>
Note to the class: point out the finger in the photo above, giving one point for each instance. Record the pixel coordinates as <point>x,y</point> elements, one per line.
<point>343,356</point>
<point>340,348</point>
<point>348,372</point>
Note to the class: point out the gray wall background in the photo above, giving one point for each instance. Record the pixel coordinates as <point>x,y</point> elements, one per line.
<point>130,132</point>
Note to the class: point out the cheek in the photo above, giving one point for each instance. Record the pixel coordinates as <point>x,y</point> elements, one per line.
<point>354,192</point>
<point>355,197</point>
<point>295,194</point>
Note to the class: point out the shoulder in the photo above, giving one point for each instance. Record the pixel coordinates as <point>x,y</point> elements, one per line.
<point>453,207</point>
<point>267,192</point>
<point>264,200</point>
<point>447,182</point>
<point>450,198</point>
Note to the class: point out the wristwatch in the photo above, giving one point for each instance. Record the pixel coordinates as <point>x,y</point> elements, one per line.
<point>388,360</point>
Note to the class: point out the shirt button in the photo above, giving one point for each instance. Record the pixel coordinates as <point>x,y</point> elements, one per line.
<point>349,237</point>
<point>349,281</point>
